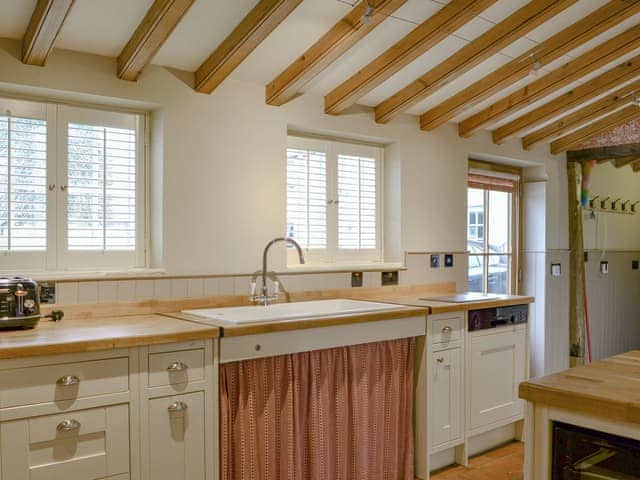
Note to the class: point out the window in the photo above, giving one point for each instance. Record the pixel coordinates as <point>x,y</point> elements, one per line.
<point>71,188</point>
<point>491,232</point>
<point>333,199</point>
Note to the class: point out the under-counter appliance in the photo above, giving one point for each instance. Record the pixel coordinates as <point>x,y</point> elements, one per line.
<point>486,318</point>
<point>581,453</point>
<point>20,303</point>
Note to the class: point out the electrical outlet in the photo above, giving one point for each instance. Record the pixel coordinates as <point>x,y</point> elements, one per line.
<point>634,265</point>
<point>556,270</point>
<point>586,257</point>
<point>448,260</point>
<point>47,292</point>
<point>435,260</point>
<point>356,279</point>
<point>389,278</point>
<point>604,267</point>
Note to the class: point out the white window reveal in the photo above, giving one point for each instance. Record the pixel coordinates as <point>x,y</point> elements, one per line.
<point>333,200</point>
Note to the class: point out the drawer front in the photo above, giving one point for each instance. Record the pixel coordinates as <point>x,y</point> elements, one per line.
<point>63,382</point>
<point>83,445</point>
<point>446,329</point>
<point>176,368</point>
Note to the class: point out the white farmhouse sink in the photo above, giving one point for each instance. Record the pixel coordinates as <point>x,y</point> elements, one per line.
<point>289,311</point>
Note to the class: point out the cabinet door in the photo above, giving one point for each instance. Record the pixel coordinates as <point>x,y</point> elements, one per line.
<point>497,366</point>
<point>81,445</point>
<point>445,393</point>
<point>176,437</point>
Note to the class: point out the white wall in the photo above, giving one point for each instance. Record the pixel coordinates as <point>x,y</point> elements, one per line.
<point>223,170</point>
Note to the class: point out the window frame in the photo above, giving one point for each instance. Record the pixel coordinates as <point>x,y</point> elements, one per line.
<point>513,174</point>
<point>332,148</point>
<point>57,257</point>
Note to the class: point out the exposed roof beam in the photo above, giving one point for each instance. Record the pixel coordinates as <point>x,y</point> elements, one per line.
<point>571,71</point>
<point>624,161</point>
<point>333,44</point>
<point>571,99</point>
<point>426,35</point>
<point>605,124</point>
<point>514,27</point>
<point>252,30</point>
<point>154,29</point>
<point>546,52</point>
<point>604,153</point>
<point>44,26</point>
<point>613,101</point>
<point>636,166</point>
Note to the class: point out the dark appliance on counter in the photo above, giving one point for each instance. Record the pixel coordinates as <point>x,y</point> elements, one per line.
<point>486,318</point>
<point>581,453</point>
<point>20,303</point>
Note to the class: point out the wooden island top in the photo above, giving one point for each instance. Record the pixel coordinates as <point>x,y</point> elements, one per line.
<point>90,334</point>
<point>435,307</point>
<point>608,388</point>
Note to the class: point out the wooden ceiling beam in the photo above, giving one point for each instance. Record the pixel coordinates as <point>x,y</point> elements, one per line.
<point>571,99</point>
<point>160,20</point>
<point>604,153</point>
<point>571,71</point>
<point>636,166</point>
<point>252,30</point>
<point>429,33</point>
<point>546,52</point>
<point>603,125</point>
<point>513,28</point>
<point>610,103</point>
<point>624,161</point>
<point>45,24</point>
<point>331,46</point>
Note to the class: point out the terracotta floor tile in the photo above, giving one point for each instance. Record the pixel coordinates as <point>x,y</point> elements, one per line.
<point>504,463</point>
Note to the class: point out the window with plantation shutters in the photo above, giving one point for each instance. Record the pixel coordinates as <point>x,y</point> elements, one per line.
<point>71,188</point>
<point>333,200</point>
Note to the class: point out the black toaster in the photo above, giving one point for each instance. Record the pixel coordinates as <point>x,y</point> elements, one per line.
<point>20,303</point>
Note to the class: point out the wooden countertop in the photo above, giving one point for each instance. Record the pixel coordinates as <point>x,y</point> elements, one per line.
<point>234,330</point>
<point>609,388</point>
<point>435,307</point>
<point>83,335</point>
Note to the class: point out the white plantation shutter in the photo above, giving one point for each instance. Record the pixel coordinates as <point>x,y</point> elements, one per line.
<point>23,184</point>
<point>357,207</point>
<point>101,182</point>
<point>307,197</point>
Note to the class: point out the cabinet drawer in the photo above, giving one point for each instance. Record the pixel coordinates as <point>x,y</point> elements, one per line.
<point>446,328</point>
<point>81,445</point>
<point>63,382</point>
<point>176,368</point>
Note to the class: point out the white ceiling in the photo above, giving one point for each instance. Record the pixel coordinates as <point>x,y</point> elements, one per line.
<point>103,27</point>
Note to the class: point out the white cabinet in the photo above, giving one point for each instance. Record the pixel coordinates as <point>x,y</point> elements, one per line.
<point>176,437</point>
<point>446,396</point>
<point>497,364</point>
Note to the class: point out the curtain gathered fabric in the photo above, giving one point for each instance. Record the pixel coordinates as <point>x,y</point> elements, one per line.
<point>338,414</point>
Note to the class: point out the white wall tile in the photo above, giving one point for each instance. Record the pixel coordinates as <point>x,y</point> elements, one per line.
<point>241,285</point>
<point>195,287</point>
<point>144,290</point>
<point>178,288</point>
<point>88,292</point>
<point>162,289</point>
<point>107,292</point>
<point>371,279</point>
<point>210,287</point>
<point>126,290</point>
<point>67,293</point>
<point>226,285</point>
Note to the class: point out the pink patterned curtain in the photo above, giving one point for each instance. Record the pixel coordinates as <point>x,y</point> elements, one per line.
<point>338,414</point>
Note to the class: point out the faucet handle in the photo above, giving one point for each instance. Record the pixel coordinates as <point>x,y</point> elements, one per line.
<point>252,289</point>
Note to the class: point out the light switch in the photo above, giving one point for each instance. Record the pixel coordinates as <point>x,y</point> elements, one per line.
<point>556,269</point>
<point>604,267</point>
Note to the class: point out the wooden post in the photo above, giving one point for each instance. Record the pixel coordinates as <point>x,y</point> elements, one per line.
<point>576,270</point>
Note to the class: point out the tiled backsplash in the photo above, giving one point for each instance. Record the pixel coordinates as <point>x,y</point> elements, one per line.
<point>109,291</point>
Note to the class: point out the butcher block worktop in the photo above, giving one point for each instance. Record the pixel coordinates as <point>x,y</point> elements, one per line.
<point>90,334</point>
<point>235,330</point>
<point>609,388</point>
<point>435,307</point>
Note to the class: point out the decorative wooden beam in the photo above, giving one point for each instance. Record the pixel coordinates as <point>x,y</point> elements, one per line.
<point>573,98</point>
<point>624,161</point>
<point>252,30</point>
<point>571,71</point>
<point>331,46</point>
<point>448,19</point>
<point>514,27</point>
<point>591,112</point>
<point>546,52</point>
<point>42,31</point>
<point>636,166</point>
<point>604,124</point>
<point>604,153</point>
<point>154,29</point>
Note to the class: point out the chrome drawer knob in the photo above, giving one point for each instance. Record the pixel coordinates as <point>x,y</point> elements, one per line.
<point>67,381</point>
<point>68,426</point>
<point>177,407</point>
<point>177,367</point>
<point>446,329</point>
